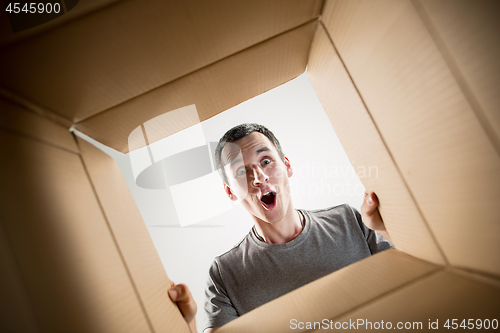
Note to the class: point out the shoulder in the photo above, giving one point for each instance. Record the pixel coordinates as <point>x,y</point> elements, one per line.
<point>342,218</point>
<point>343,211</point>
<point>235,253</point>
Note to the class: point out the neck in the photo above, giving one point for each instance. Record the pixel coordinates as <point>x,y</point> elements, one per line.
<point>282,231</point>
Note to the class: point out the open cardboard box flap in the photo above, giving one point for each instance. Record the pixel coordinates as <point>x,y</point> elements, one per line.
<point>390,286</point>
<point>410,86</point>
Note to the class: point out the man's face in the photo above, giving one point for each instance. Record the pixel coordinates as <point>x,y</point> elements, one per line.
<point>258,177</point>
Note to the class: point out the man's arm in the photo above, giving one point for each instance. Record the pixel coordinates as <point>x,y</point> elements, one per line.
<point>371,215</point>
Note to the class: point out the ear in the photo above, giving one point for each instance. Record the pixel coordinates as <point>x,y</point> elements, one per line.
<point>289,169</point>
<point>230,193</point>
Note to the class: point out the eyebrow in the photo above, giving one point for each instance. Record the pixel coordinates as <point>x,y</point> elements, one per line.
<point>262,149</point>
<point>233,162</point>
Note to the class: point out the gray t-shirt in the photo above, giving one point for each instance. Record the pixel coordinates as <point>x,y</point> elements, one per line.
<point>254,272</point>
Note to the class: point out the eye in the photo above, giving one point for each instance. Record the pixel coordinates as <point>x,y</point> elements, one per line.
<point>240,172</point>
<point>265,161</point>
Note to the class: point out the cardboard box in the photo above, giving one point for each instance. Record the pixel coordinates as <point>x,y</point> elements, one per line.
<point>409,85</point>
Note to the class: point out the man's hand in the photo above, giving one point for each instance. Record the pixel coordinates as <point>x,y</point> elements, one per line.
<point>371,215</point>
<point>181,295</point>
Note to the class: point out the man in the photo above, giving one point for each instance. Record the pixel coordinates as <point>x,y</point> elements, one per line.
<point>286,248</point>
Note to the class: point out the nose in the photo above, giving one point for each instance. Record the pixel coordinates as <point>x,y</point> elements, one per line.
<point>259,176</point>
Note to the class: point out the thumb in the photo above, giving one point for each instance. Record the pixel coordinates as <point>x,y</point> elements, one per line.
<point>370,203</point>
<point>181,295</point>
<point>173,294</point>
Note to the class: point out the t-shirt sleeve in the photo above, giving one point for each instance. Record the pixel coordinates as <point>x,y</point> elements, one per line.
<point>376,242</point>
<point>218,307</point>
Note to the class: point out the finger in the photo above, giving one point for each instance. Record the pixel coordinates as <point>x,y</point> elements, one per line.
<point>173,294</point>
<point>181,295</point>
<point>368,206</point>
<point>372,199</point>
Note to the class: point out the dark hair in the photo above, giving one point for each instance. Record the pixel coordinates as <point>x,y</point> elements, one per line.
<point>239,132</point>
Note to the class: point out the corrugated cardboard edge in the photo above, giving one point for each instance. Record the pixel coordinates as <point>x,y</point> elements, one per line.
<point>444,155</point>
<point>16,309</point>
<point>132,238</point>
<point>444,296</point>
<point>212,89</point>
<point>366,147</point>
<point>335,294</point>
<point>59,241</point>
<point>128,48</point>
<point>466,34</point>
<point>22,121</point>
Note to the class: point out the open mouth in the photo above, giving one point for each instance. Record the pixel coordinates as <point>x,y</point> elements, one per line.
<point>268,200</point>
